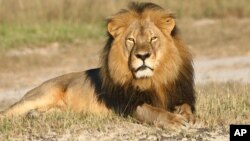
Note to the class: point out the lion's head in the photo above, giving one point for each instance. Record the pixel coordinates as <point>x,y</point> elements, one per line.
<point>143,47</point>
<point>144,61</point>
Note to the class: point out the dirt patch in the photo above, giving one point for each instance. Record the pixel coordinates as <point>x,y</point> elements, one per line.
<point>223,69</point>
<point>139,132</point>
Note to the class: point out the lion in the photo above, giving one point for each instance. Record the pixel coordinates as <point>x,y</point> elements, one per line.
<point>146,72</point>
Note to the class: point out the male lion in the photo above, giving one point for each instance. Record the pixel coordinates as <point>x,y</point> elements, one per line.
<point>146,72</point>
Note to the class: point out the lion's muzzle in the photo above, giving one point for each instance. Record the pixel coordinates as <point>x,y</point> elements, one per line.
<point>144,72</point>
<point>142,65</point>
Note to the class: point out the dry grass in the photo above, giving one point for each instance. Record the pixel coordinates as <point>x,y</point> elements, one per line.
<point>52,125</point>
<point>218,105</point>
<point>221,104</point>
<point>93,11</point>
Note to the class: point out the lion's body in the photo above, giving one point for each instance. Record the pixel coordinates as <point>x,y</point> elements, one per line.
<point>146,72</point>
<point>71,91</point>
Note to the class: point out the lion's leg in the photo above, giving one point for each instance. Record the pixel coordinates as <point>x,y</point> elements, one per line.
<point>39,99</point>
<point>160,117</point>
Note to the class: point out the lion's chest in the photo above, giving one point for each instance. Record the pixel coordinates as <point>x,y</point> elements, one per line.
<point>124,102</point>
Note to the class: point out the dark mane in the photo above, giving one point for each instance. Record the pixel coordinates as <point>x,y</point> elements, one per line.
<point>122,100</point>
<point>141,7</point>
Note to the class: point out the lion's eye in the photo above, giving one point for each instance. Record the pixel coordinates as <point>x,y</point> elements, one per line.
<point>131,39</point>
<point>153,39</point>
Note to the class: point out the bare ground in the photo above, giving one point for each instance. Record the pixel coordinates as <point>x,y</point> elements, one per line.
<point>21,70</point>
<point>225,69</point>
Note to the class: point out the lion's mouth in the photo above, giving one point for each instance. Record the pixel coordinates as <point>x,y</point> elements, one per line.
<point>143,71</point>
<point>143,67</point>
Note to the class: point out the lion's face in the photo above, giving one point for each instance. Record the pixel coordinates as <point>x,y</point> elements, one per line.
<point>142,46</point>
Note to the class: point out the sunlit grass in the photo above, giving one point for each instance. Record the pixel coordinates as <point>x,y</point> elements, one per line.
<point>93,11</point>
<point>56,122</point>
<point>219,105</point>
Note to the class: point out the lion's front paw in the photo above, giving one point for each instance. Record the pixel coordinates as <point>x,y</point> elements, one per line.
<point>186,112</point>
<point>172,121</point>
<point>190,118</point>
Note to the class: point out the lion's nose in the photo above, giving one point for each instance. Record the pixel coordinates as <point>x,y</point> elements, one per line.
<point>143,56</point>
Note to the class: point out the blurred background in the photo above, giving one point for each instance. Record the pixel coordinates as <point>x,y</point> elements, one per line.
<point>41,39</point>
<point>207,26</point>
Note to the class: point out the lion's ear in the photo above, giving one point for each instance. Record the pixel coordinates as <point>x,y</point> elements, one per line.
<point>166,23</point>
<point>170,24</point>
<point>114,28</point>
